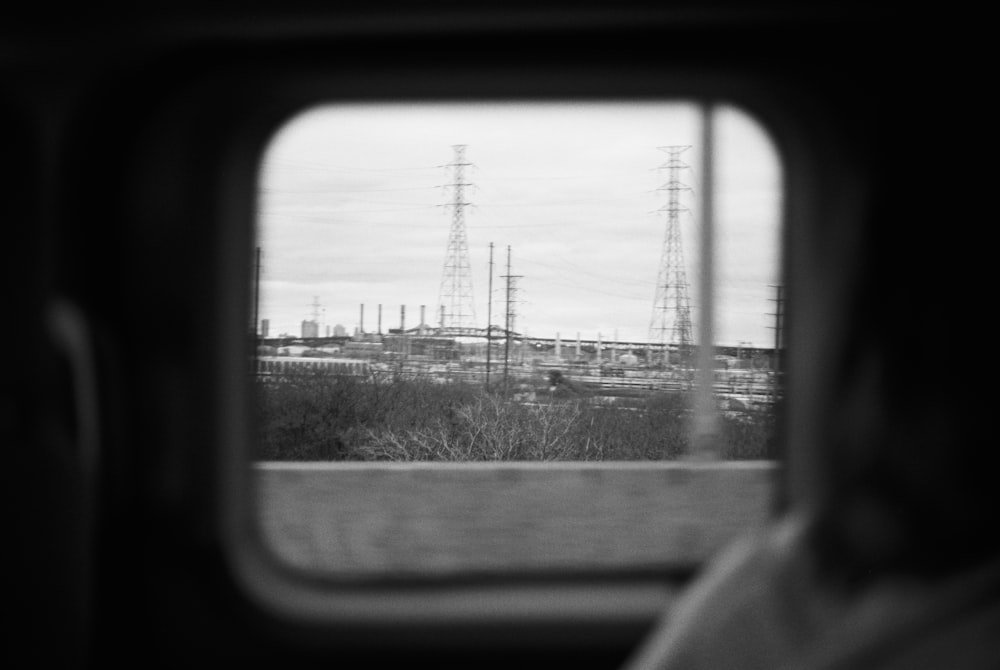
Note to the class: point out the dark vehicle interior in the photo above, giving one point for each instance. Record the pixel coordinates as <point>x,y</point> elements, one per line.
<point>132,143</point>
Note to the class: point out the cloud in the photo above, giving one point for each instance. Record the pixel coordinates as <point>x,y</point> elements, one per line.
<point>356,208</point>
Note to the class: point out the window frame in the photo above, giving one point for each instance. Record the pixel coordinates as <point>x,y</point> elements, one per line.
<point>594,608</point>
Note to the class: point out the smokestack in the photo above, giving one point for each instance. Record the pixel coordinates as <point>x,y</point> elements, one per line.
<point>362,326</point>
<point>380,318</point>
<point>422,322</point>
<point>402,318</point>
<point>558,346</point>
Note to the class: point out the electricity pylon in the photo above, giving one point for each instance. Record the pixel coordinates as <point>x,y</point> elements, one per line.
<point>458,312</point>
<point>671,320</point>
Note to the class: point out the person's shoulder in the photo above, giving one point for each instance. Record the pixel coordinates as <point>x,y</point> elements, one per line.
<point>754,606</point>
<point>765,603</point>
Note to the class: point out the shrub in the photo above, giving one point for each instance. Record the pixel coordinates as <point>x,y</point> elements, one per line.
<point>314,415</point>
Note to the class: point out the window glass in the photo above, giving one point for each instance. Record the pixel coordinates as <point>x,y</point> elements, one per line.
<point>391,236</point>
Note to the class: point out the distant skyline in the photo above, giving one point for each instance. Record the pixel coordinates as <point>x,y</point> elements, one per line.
<point>354,210</point>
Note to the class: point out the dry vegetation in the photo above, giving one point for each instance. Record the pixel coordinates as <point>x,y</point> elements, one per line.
<point>310,416</point>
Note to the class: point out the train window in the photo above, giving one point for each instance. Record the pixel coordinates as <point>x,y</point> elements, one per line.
<point>521,293</point>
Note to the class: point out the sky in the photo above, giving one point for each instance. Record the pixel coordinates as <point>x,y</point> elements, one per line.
<point>355,209</point>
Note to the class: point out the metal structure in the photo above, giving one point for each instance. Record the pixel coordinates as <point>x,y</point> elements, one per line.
<point>489,321</point>
<point>509,318</point>
<point>671,320</point>
<point>458,313</point>
<point>779,325</point>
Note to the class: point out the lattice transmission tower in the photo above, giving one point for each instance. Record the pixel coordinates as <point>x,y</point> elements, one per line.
<point>458,312</point>
<point>671,320</point>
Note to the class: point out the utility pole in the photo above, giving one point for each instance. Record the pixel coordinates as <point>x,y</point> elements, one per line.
<point>404,340</point>
<point>779,317</point>
<point>489,321</point>
<point>256,296</point>
<point>255,334</point>
<point>508,321</point>
<point>779,328</point>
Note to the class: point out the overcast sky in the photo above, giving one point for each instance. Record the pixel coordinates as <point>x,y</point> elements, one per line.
<point>354,210</point>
